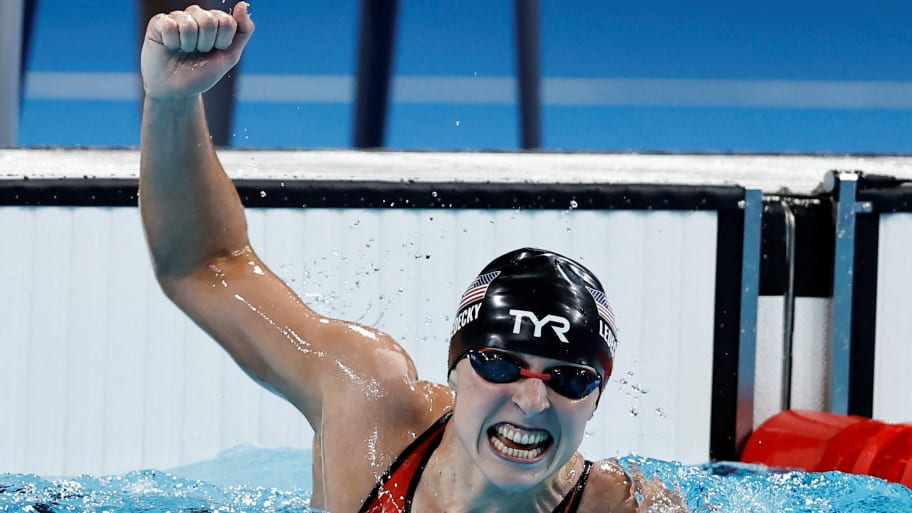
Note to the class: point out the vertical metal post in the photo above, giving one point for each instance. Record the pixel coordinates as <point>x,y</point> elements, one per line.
<point>526,13</point>
<point>11,19</point>
<point>750,293</point>
<point>375,56</point>
<point>788,308</point>
<point>843,281</point>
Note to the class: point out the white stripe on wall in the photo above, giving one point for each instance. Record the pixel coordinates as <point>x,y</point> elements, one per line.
<point>122,86</point>
<point>797,174</point>
<point>102,375</point>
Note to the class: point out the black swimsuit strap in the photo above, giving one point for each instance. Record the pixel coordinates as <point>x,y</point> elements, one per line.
<point>572,501</point>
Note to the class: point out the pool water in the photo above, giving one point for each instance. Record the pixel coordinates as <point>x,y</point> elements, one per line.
<point>256,480</point>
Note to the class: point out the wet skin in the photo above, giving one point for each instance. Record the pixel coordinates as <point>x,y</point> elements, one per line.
<point>356,386</point>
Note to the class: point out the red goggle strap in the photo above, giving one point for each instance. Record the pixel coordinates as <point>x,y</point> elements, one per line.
<point>529,374</point>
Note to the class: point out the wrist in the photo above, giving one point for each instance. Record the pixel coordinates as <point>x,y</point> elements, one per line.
<point>168,102</point>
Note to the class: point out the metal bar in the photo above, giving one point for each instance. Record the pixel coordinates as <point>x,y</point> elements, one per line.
<point>750,294</point>
<point>11,19</point>
<point>788,309</point>
<point>526,12</point>
<point>375,55</point>
<point>843,281</point>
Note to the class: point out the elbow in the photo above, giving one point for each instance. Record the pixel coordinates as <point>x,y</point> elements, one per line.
<point>168,274</point>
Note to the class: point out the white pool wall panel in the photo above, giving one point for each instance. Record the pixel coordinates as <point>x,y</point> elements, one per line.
<point>103,375</point>
<point>768,371</point>
<point>893,327</point>
<point>811,349</point>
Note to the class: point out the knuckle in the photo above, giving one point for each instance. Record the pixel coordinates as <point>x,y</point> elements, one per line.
<point>166,22</point>
<point>224,18</point>
<point>207,23</point>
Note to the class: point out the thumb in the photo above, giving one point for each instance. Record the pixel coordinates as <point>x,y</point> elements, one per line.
<point>245,24</point>
<point>244,30</point>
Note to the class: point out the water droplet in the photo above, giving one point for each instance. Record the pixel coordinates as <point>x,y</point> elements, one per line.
<point>434,193</point>
<point>457,122</point>
<point>262,194</point>
<point>573,204</point>
<point>633,411</point>
<point>660,412</point>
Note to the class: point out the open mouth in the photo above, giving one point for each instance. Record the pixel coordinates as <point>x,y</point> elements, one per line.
<point>519,444</point>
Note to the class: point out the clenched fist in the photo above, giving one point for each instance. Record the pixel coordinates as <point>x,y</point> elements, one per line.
<point>186,52</point>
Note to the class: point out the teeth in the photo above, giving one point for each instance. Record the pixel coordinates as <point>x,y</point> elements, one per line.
<point>521,438</point>
<point>516,453</point>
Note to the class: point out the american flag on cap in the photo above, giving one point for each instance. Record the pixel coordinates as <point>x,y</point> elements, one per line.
<point>477,289</point>
<point>604,309</point>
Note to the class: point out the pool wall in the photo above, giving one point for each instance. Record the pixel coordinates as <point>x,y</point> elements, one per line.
<point>102,375</point>
<point>893,349</point>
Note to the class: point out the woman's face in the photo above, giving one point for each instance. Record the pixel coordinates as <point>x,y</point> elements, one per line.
<point>518,433</point>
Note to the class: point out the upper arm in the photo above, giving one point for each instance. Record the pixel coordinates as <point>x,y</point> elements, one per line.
<point>278,340</point>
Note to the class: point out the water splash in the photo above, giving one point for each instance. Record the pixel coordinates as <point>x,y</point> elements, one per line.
<point>741,488</point>
<point>258,480</point>
<point>147,490</point>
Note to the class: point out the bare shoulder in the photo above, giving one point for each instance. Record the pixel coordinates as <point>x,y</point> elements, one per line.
<point>374,392</point>
<point>614,489</point>
<point>608,489</point>
<point>362,434</point>
<point>377,375</point>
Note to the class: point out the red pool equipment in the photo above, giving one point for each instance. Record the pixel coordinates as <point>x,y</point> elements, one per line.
<point>818,442</point>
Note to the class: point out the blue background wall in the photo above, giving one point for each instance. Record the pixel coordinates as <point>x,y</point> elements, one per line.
<point>844,69</point>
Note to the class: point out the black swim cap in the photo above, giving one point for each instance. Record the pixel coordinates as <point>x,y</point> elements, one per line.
<point>537,302</point>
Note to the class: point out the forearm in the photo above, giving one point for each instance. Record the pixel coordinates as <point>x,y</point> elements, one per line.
<point>190,209</point>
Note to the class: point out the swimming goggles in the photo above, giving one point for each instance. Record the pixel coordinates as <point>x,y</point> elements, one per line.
<point>567,380</point>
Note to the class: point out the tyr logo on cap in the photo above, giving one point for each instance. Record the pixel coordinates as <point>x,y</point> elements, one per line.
<point>560,325</point>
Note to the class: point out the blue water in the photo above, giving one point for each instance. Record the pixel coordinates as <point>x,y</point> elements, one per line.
<point>255,480</point>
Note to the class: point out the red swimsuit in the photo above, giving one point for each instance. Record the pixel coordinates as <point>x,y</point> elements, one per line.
<point>395,490</point>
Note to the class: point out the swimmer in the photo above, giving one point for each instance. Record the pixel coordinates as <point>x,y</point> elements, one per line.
<point>530,353</point>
